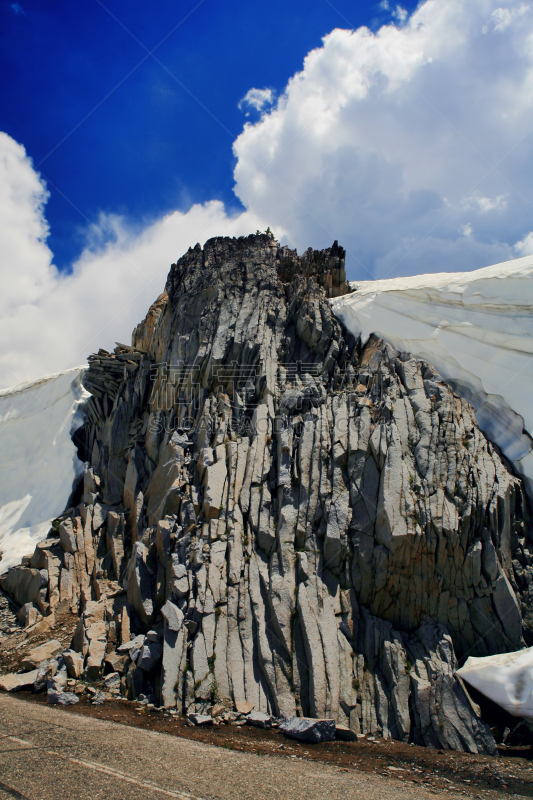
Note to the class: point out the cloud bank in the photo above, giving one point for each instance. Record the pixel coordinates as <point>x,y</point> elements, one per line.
<point>412,145</point>
<point>51,321</point>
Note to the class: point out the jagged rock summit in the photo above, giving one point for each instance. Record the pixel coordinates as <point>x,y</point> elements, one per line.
<point>285,518</point>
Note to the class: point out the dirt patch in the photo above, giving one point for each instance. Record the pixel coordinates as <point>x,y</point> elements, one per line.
<point>508,775</point>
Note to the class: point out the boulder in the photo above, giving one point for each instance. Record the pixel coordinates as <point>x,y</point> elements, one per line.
<point>79,642</point>
<point>18,682</point>
<point>173,616</point>
<point>259,720</point>
<point>74,663</point>
<point>41,555</point>
<point>100,513</point>
<point>67,536</point>
<point>96,630</point>
<point>112,681</point>
<point>28,615</point>
<point>55,672</point>
<point>133,644</point>
<point>44,652</point>
<point>43,625</point>
<point>179,583</point>
<point>345,734</point>
<point>58,683</point>
<point>521,734</point>
<point>95,658</point>
<point>309,730</point>
<point>24,584</point>
<point>150,656</point>
<point>200,719</point>
<point>242,707</point>
<point>134,681</point>
<point>45,671</point>
<point>116,662</point>
<point>62,698</point>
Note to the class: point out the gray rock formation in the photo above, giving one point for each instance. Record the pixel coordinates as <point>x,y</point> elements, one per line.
<point>62,698</point>
<point>309,730</point>
<point>310,526</point>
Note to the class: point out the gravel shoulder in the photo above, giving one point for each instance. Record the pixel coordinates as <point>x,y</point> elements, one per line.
<point>47,753</point>
<point>391,768</point>
<point>439,772</point>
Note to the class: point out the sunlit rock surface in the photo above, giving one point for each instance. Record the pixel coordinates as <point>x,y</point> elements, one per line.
<point>475,328</point>
<point>277,515</point>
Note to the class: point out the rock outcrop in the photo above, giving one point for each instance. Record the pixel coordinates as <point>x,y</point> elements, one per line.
<point>274,515</point>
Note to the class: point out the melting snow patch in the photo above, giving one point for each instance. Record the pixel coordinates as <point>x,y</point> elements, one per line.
<point>507,679</point>
<point>475,328</point>
<point>38,460</point>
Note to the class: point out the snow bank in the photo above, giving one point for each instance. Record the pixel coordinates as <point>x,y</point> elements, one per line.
<point>38,460</point>
<point>476,328</point>
<point>507,679</point>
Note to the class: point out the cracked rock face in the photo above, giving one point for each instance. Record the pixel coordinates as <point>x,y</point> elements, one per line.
<point>318,527</point>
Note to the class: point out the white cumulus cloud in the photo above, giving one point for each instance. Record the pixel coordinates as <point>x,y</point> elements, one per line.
<point>501,18</point>
<point>258,99</point>
<point>525,246</point>
<point>411,145</point>
<point>50,321</point>
<point>393,141</point>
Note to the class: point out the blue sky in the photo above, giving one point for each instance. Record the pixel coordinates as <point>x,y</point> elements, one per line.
<point>113,129</point>
<point>404,132</point>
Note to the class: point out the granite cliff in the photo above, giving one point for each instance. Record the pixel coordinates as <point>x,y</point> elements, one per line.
<point>274,515</point>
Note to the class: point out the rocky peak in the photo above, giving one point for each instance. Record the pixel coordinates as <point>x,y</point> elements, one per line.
<point>233,259</point>
<point>231,284</point>
<point>317,527</point>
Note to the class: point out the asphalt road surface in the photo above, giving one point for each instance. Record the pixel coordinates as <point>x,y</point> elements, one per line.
<point>48,754</point>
